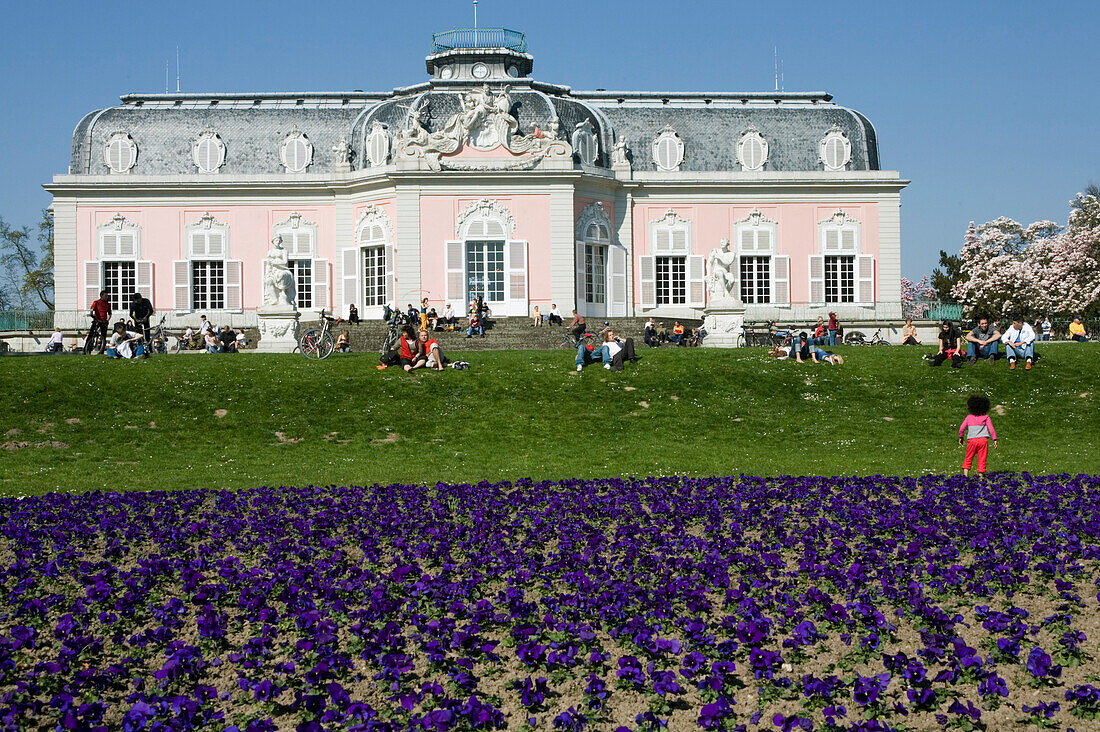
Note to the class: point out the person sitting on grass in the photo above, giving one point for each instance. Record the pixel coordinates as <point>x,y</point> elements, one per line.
<point>978,429</point>
<point>606,352</point>
<point>242,340</point>
<point>1077,331</point>
<point>909,334</point>
<point>433,319</point>
<point>982,341</point>
<point>821,333</point>
<point>434,354</point>
<point>410,354</point>
<point>211,342</point>
<point>126,343</point>
<point>343,342</point>
<point>800,347</point>
<point>450,318</point>
<point>949,346</point>
<point>677,336</point>
<point>1019,341</point>
<point>536,317</point>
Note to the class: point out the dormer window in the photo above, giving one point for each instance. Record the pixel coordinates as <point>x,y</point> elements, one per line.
<point>835,150</point>
<point>296,152</point>
<point>120,153</point>
<point>584,142</point>
<point>668,150</point>
<point>752,150</point>
<point>378,145</point>
<point>208,152</point>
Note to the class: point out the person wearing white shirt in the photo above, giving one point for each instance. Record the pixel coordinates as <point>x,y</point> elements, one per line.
<point>555,315</point>
<point>242,341</point>
<point>205,326</point>
<point>449,316</point>
<point>1019,341</point>
<point>126,343</point>
<point>56,343</point>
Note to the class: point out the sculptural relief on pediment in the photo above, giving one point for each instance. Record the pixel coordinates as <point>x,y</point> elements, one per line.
<point>484,123</point>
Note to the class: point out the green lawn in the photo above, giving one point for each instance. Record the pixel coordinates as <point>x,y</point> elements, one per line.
<point>83,423</point>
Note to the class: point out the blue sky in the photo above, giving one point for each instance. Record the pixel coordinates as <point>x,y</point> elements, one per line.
<point>990,108</point>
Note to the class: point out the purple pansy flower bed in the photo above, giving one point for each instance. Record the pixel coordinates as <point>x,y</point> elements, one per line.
<point>659,603</point>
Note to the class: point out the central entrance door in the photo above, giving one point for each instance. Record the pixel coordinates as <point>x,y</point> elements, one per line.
<point>485,273</point>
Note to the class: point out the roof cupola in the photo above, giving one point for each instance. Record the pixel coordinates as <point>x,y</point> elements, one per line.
<point>478,55</point>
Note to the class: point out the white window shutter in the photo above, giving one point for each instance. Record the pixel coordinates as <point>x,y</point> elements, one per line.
<point>233,282</point>
<point>391,277</point>
<point>143,280</point>
<point>865,280</point>
<point>181,285</point>
<point>320,284</point>
<point>764,240</point>
<point>748,240</point>
<point>662,240</point>
<point>456,275</point>
<point>580,288</point>
<point>679,240</point>
<point>781,280</point>
<point>817,279</point>
<point>647,271</point>
<point>617,257</point>
<point>832,240</point>
<point>695,274</point>
<point>92,286</point>
<point>349,277</point>
<point>515,267</point>
<point>848,240</point>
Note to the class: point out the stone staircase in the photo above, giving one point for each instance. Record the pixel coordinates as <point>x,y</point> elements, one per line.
<point>501,334</point>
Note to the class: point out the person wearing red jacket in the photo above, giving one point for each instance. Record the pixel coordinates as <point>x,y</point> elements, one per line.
<point>101,317</point>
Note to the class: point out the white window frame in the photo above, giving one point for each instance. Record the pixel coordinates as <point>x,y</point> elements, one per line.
<point>373,229</point>
<point>182,270</point>
<point>615,263</point>
<point>586,145</point>
<point>754,228</point>
<point>96,270</point>
<point>292,138</point>
<point>671,236</point>
<point>124,142</point>
<point>668,135</point>
<point>752,136</point>
<point>208,138</point>
<point>835,135</point>
<point>487,220</point>
<point>841,235</point>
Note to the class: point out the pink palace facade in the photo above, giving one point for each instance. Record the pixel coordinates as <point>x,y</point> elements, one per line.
<point>480,180</point>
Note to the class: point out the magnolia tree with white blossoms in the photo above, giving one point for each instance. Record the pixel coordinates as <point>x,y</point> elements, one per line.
<point>1042,269</point>
<point>915,296</point>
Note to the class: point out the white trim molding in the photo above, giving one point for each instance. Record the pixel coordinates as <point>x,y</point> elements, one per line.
<point>296,135</point>
<point>677,159</point>
<point>126,142</point>
<point>118,226</point>
<point>488,210</point>
<point>835,150</point>
<point>750,137</point>
<point>210,137</point>
<point>374,216</point>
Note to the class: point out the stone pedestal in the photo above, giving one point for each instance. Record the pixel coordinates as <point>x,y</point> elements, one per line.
<point>724,319</point>
<point>278,331</point>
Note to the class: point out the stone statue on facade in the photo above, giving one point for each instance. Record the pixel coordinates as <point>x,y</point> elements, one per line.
<point>618,153</point>
<point>341,152</point>
<point>721,280</point>
<point>279,290</point>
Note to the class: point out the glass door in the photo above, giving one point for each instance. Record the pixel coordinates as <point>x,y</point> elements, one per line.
<point>485,273</point>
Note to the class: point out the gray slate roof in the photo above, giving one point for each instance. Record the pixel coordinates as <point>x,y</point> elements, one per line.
<point>164,133</point>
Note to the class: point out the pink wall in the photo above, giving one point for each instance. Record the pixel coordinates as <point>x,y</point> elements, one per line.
<point>796,225</point>
<point>162,240</point>
<point>438,214</point>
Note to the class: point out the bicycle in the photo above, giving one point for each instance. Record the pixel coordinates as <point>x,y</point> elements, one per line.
<point>389,343</point>
<point>97,334</point>
<point>158,339</point>
<point>318,343</point>
<point>587,338</point>
<point>856,338</point>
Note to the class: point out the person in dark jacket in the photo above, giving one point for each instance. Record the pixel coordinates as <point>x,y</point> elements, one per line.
<point>140,312</point>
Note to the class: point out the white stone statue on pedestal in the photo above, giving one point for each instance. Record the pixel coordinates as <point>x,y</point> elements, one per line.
<point>279,290</point>
<point>725,313</point>
<point>721,280</point>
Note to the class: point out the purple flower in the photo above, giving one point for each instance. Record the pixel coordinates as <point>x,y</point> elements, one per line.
<point>1040,665</point>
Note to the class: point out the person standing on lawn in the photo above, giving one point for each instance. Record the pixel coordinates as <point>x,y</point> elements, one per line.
<point>978,431</point>
<point>834,326</point>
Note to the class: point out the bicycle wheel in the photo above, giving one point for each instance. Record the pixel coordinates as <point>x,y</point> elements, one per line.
<point>855,338</point>
<point>741,340</point>
<point>312,344</point>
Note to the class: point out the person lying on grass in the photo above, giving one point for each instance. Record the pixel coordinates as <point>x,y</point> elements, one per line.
<point>820,355</point>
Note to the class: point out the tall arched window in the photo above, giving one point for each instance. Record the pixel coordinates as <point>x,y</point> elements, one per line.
<point>485,260</point>
<point>600,265</point>
<point>368,267</point>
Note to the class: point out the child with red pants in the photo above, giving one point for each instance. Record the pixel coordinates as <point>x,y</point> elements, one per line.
<point>978,428</point>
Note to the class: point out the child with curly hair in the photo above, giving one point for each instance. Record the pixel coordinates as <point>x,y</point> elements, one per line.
<point>978,428</point>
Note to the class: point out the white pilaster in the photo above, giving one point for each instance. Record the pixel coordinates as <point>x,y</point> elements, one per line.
<point>889,264</point>
<point>407,246</point>
<point>67,284</point>
<point>563,289</point>
<point>345,237</point>
<point>624,221</point>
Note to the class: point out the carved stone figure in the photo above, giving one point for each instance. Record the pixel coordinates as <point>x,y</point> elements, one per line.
<point>721,281</point>
<point>279,290</point>
<point>618,153</point>
<point>342,152</point>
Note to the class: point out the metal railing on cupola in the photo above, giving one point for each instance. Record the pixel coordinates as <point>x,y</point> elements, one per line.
<point>479,38</point>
